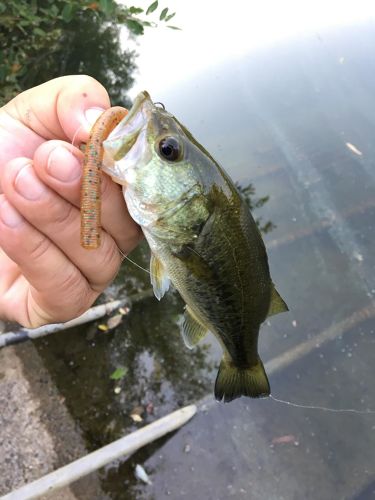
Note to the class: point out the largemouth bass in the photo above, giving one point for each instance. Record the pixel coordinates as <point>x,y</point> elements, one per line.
<point>203,239</point>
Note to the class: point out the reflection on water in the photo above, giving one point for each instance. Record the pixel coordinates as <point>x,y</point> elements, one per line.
<point>289,113</point>
<point>160,373</point>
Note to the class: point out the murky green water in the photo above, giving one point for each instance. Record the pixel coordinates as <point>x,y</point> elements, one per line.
<point>280,119</point>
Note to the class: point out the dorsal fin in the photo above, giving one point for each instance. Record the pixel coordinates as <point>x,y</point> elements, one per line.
<point>277,304</point>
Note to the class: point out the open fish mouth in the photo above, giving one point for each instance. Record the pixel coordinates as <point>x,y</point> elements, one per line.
<point>126,144</point>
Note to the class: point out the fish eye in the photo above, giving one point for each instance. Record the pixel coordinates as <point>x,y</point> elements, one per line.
<point>170,148</point>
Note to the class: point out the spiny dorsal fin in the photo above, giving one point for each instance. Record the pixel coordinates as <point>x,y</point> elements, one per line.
<point>159,278</point>
<point>192,330</point>
<point>277,305</point>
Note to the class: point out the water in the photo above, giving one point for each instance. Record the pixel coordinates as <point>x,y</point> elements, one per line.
<point>279,118</point>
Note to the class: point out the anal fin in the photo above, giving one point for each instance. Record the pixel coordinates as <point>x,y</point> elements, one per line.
<point>192,330</point>
<point>277,304</point>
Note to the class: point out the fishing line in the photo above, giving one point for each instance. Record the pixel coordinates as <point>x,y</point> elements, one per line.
<point>70,144</point>
<point>75,135</point>
<point>140,267</point>
<point>132,261</point>
<point>323,408</point>
<point>368,411</point>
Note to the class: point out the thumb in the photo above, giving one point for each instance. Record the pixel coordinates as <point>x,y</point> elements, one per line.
<point>64,108</point>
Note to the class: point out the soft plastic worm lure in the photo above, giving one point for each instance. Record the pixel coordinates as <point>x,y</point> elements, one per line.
<point>91,177</point>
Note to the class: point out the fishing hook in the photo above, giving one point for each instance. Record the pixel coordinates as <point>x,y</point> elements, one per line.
<point>160,104</point>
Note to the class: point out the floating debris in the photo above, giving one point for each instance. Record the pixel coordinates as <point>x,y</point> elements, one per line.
<point>136,414</point>
<point>136,418</point>
<point>358,256</point>
<point>124,310</point>
<point>141,474</point>
<point>119,373</point>
<point>187,448</point>
<point>103,328</point>
<point>288,438</point>
<point>353,149</point>
<point>117,390</point>
<point>294,323</point>
<point>114,321</point>
<point>342,60</point>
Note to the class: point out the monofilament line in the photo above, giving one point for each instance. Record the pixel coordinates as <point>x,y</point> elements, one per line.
<point>135,264</point>
<point>132,261</point>
<point>323,408</point>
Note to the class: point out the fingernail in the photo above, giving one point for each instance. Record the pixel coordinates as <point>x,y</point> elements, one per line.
<point>91,115</point>
<point>9,215</point>
<point>28,185</point>
<point>63,165</point>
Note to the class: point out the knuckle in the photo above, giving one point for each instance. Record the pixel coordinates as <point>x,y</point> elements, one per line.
<point>39,249</point>
<point>55,216</point>
<point>76,292</point>
<point>63,214</point>
<point>10,169</point>
<point>71,281</point>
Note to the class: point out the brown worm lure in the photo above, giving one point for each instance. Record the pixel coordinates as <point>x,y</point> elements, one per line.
<point>91,177</point>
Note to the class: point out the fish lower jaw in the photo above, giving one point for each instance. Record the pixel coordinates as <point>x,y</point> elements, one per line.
<point>139,212</point>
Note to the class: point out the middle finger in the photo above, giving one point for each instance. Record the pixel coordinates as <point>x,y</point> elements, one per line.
<point>59,220</point>
<point>58,164</point>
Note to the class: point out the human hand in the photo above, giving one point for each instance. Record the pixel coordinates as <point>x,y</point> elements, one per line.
<point>45,275</point>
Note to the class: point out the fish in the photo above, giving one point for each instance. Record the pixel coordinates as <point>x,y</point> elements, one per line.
<point>203,239</point>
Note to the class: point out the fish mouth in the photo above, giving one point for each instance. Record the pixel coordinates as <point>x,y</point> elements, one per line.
<point>125,145</point>
<point>123,136</point>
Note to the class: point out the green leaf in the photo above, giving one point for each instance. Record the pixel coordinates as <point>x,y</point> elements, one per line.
<point>54,10</point>
<point>67,12</point>
<point>174,28</point>
<point>163,13</point>
<point>168,18</point>
<point>39,32</point>
<point>152,7</point>
<point>134,26</point>
<point>106,6</point>
<point>147,23</point>
<point>135,10</point>
<point>120,372</point>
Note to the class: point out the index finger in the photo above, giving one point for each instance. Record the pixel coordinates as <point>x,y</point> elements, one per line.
<point>58,109</point>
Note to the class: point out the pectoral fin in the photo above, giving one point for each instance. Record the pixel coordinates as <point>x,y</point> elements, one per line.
<point>277,304</point>
<point>192,330</point>
<point>159,278</point>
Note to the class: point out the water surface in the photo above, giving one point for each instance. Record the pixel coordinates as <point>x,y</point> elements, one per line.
<point>279,119</point>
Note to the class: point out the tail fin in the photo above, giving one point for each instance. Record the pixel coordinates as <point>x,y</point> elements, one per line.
<point>233,382</point>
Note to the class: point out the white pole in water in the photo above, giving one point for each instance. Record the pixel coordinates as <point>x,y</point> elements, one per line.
<point>93,461</point>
